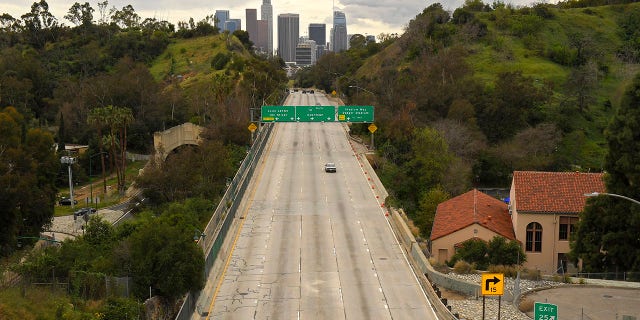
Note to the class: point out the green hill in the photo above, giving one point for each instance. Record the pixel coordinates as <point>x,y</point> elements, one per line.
<point>465,98</point>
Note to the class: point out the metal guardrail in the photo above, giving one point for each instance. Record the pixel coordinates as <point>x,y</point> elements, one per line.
<point>224,215</point>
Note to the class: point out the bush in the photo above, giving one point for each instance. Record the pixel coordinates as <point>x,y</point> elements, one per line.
<point>530,274</point>
<point>463,267</point>
<point>508,271</point>
<point>474,251</point>
<point>220,61</point>
<point>121,309</point>
<point>526,305</point>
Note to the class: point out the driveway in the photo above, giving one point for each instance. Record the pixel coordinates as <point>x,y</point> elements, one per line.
<point>592,303</point>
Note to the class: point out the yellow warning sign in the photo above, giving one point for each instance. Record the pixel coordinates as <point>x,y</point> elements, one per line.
<point>372,128</point>
<point>252,127</point>
<point>492,284</point>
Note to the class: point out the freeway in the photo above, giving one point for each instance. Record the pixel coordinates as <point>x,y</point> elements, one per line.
<point>312,244</point>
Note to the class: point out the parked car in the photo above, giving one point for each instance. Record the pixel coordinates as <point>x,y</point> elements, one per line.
<point>84,212</point>
<point>330,167</point>
<point>66,201</point>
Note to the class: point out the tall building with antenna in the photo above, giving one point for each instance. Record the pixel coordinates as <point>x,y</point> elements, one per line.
<point>266,13</point>
<point>339,40</point>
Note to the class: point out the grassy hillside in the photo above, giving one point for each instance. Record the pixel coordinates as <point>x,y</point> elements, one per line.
<point>501,50</point>
<point>188,57</point>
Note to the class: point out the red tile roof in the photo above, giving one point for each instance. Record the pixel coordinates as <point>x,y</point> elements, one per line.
<point>473,207</point>
<point>554,192</point>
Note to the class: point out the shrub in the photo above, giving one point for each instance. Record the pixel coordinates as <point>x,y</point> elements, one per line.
<point>526,305</point>
<point>220,61</point>
<point>474,251</point>
<point>530,274</point>
<point>463,267</point>
<point>508,271</point>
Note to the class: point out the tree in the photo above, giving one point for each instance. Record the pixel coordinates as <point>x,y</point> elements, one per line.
<point>474,251</point>
<point>28,167</point>
<point>165,258</point>
<point>429,202</point>
<point>243,36</point>
<point>503,252</point>
<point>80,14</point>
<point>606,238</point>
<point>38,24</point>
<point>98,119</point>
<point>127,18</point>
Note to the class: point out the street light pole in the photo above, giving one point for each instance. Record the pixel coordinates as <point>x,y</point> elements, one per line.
<point>595,194</point>
<point>69,161</point>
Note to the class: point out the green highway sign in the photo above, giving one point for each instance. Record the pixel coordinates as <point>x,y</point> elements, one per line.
<point>355,113</point>
<point>545,311</point>
<point>315,113</point>
<point>278,113</point>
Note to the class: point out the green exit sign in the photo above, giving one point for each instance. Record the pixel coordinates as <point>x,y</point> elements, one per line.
<point>315,113</point>
<point>355,113</point>
<point>545,311</point>
<point>278,113</point>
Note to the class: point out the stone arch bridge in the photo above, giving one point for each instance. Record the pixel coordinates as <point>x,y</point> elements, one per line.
<point>165,142</point>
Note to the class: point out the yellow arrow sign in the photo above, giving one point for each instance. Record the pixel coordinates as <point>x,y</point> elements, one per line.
<point>492,284</point>
<point>252,127</point>
<point>372,128</point>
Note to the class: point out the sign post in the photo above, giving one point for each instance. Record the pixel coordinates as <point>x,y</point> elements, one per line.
<point>545,311</point>
<point>492,284</point>
<point>252,127</point>
<point>372,128</point>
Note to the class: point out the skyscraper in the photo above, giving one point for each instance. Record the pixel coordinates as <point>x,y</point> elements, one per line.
<point>221,17</point>
<point>306,52</point>
<point>318,33</point>
<point>266,13</point>
<point>288,35</point>
<point>339,32</point>
<point>252,24</point>
<point>263,29</point>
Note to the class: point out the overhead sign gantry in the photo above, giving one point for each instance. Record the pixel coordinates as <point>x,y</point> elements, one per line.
<point>317,114</point>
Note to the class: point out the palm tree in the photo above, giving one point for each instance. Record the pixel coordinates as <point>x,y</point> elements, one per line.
<point>98,118</point>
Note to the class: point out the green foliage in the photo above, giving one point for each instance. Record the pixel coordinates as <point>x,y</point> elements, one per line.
<point>498,251</point>
<point>503,252</point>
<point>220,60</point>
<point>630,32</point>
<point>165,258</point>
<point>121,309</point>
<point>29,166</point>
<point>603,240</point>
<point>429,201</point>
<point>472,251</point>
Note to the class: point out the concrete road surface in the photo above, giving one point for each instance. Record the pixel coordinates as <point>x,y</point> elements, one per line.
<point>315,245</point>
<point>591,303</point>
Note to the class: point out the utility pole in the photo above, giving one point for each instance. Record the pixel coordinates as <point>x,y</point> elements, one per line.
<point>69,161</point>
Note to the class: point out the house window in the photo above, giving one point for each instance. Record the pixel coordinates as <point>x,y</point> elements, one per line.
<point>567,227</point>
<point>534,237</point>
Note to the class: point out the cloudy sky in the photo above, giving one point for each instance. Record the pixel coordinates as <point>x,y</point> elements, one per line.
<point>367,17</point>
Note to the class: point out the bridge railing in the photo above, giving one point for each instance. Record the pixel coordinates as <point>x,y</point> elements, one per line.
<point>224,215</point>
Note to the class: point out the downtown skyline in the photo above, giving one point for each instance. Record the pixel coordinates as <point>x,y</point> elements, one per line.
<point>367,18</point>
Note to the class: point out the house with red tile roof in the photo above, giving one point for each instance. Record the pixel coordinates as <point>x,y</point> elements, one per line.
<point>472,215</point>
<point>544,208</point>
